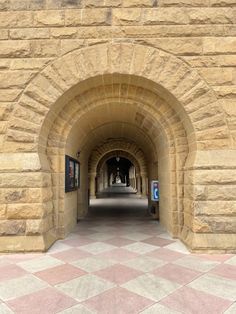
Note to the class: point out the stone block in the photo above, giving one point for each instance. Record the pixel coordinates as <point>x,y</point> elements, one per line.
<point>28,211</point>
<point>70,32</point>
<point>14,49</point>
<point>48,18</point>
<point>182,3</point>
<point>5,110</point>
<point>16,19</point>
<point>218,76</point>
<point>26,4</point>
<point>84,17</point>
<point>139,3</point>
<point>29,63</point>
<point>12,227</point>
<point>214,208</point>
<point>103,3</point>
<point>3,34</point>
<point>39,226</point>
<point>22,180</point>
<point>29,33</point>
<point>45,48</point>
<point>3,208</point>
<point>15,79</point>
<point>9,95</point>
<point>4,5</point>
<point>220,45</point>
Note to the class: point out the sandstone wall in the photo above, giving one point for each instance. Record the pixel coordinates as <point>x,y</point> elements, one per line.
<point>33,33</point>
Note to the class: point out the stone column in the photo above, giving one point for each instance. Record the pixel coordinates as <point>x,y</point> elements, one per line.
<point>138,178</point>
<point>144,184</point>
<point>92,186</point>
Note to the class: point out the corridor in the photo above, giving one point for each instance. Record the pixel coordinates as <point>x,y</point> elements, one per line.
<point>117,260</point>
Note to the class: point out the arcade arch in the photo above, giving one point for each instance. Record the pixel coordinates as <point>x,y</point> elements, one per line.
<point>116,91</point>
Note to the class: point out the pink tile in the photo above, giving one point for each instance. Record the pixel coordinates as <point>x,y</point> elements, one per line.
<point>17,258</point>
<point>158,241</point>
<point>166,255</point>
<point>118,274</point>
<point>71,255</point>
<point>46,301</point>
<point>60,274</point>
<point>215,257</point>
<point>119,241</point>
<point>118,300</point>
<point>78,241</point>
<point>225,270</point>
<point>11,271</point>
<point>177,273</point>
<point>191,301</point>
<point>119,255</point>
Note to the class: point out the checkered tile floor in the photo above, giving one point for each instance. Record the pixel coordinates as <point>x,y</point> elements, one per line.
<point>122,262</point>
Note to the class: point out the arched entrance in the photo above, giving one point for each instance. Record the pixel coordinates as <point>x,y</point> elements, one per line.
<point>115,91</point>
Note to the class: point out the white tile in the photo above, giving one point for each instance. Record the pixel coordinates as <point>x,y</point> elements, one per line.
<point>177,246</point>
<point>5,309</point>
<point>151,287</point>
<point>159,309</point>
<point>85,287</point>
<point>41,263</point>
<point>231,261</point>
<point>231,309</point>
<point>136,236</point>
<point>18,287</point>
<point>100,236</point>
<point>140,247</point>
<point>97,247</point>
<point>92,264</point>
<point>196,263</point>
<point>144,263</point>
<point>77,309</point>
<point>215,285</point>
<point>58,247</point>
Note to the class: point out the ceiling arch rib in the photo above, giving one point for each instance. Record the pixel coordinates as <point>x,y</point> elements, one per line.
<point>100,153</point>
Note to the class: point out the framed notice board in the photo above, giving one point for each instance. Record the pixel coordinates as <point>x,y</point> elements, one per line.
<point>72,174</point>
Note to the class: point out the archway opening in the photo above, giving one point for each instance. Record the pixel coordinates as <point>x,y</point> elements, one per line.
<point>126,118</point>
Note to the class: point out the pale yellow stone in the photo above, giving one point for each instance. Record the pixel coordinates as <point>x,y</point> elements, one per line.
<point>29,33</point>
<point>3,208</point>
<point>48,18</point>
<point>14,49</point>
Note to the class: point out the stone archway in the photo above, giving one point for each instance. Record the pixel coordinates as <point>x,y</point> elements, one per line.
<point>190,120</point>
<point>125,149</point>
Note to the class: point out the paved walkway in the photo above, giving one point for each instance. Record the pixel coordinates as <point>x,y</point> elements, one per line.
<point>118,261</point>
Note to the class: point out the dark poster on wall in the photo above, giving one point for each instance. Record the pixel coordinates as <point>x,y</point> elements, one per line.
<point>72,174</point>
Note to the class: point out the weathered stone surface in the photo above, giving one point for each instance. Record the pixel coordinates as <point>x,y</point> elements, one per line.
<point>14,49</point>
<point>16,79</point>
<point>16,19</point>
<point>29,33</point>
<point>45,48</point>
<point>88,17</point>
<point>12,227</point>
<point>184,104</point>
<point>48,18</point>
<point>39,226</point>
<point>29,64</point>
<point>3,208</point>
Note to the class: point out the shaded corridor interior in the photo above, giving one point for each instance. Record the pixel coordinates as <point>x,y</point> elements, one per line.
<point>119,202</point>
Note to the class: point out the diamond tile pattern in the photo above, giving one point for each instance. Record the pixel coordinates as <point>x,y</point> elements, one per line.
<point>118,264</point>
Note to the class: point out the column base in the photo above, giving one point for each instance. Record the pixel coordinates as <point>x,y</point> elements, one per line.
<point>208,242</point>
<point>20,244</point>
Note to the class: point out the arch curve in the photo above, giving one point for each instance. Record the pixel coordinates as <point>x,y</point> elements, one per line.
<point>149,67</point>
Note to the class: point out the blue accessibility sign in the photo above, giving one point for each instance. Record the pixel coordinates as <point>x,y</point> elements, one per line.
<point>155,190</point>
